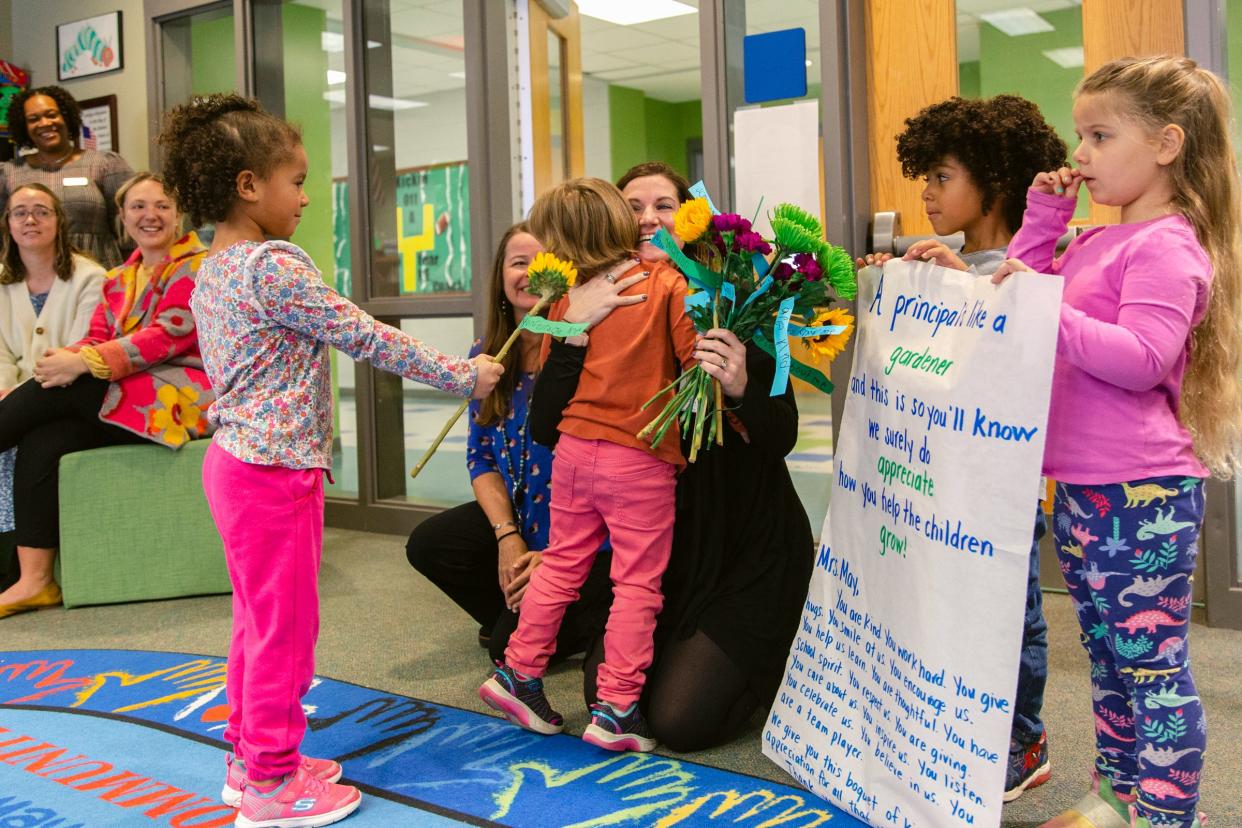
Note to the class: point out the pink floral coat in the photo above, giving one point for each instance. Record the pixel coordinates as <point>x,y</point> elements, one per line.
<point>150,344</point>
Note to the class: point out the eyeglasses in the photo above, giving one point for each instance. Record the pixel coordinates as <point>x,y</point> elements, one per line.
<point>38,213</point>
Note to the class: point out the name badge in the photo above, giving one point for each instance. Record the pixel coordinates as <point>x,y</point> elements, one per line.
<point>76,181</point>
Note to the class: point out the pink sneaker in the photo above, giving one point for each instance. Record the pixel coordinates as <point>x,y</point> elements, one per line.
<point>298,801</point>
<point>325,769</point>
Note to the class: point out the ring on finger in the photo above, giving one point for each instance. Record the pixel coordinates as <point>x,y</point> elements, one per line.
<point>610,279</point>
<point>724,362</point>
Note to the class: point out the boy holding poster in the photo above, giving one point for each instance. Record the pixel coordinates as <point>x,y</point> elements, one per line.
<point>977,158</point>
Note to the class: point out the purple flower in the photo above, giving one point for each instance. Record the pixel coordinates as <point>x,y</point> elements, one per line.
<point>727,222</point>
<point>810,268</point>
<point>751,242</point>
<point>782,271</point>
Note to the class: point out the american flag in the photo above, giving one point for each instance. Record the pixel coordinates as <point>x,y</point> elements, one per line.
<point>88,138</point>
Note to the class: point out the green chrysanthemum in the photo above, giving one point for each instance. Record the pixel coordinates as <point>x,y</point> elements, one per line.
<point>838,269</point>
<point>796,230</point>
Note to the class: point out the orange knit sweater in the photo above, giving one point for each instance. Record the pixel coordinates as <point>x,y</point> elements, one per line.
<point>633,353</point>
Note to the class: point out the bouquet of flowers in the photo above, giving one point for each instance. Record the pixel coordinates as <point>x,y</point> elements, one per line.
<point>762,290</point>
<point>549,278</point>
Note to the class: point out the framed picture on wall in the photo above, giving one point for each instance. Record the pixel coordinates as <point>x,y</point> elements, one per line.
<point>89,47</point>
<point>99,124</point>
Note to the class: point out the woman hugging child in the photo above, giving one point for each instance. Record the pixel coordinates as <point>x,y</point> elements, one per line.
<point>606,482</point>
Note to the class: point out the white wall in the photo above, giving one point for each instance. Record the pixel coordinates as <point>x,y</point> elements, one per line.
<point>597,158</point>
<point>33,36</point>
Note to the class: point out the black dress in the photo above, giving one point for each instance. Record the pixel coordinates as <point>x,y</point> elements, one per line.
<point>742,545</point>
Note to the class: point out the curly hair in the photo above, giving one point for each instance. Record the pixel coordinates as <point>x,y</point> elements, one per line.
<point>65,102</point>
<point>12,268</point>
<point>210,141</point>
<point>1002,142</point>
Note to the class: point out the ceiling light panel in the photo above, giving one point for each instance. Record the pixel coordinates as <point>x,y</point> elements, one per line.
<point>631,12</point>
<point>1017,22</point>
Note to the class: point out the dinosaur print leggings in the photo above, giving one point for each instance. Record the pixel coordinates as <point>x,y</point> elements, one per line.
<point>1128,552</point>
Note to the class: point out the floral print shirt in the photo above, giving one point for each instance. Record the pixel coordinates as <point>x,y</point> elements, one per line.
<point>506,447</point>
<point>265,322</point>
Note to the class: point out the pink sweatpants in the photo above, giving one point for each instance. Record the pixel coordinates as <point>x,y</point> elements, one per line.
<point>271,521</point>
<point>601,489</point>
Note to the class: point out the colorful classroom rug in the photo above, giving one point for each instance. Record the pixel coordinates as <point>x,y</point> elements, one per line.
<point>132,738</point>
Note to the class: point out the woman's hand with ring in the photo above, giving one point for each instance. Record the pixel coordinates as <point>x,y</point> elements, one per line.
<point>59,367</point>
<point>723,357</point>
<point>592,301</point>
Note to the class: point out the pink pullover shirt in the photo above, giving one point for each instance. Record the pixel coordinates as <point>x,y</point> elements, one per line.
<point>1133,293</point>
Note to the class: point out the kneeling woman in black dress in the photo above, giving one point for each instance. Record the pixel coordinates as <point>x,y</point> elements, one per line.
<point>742,545</point>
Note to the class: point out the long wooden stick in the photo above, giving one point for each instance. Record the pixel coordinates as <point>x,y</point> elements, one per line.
<point>540,305</point>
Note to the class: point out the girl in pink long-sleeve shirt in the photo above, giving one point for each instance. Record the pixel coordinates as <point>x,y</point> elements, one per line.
<point>265,322</point>
<point>1145,404</point>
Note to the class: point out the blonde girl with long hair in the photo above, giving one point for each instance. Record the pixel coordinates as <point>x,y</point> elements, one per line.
<point>1145,405</point>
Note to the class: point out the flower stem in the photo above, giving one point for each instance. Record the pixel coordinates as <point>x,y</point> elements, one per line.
<point>461,409</point>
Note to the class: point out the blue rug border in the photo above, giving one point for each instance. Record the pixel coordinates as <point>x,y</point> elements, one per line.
<point>792,784</point>
<point>370,790</point>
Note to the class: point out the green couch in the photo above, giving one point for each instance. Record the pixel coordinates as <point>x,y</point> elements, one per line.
<point>134,526</point>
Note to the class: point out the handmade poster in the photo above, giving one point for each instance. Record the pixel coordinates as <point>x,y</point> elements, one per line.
<point>898,692</point>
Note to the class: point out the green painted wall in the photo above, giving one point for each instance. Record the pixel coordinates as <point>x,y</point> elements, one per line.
<point>646,129</point>
<point>306,80</point>
<point>1234,62</point>
<point>627,124</point>
<point>1017,65</point>
<point>211,56</point>
<point>968,79</point>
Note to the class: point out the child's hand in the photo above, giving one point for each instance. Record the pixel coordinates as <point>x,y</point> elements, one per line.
<point>489,373</point>
<point>873,260</point>
<point>1008,266</point>
<point>933,250</point>
<point>1063,182</point>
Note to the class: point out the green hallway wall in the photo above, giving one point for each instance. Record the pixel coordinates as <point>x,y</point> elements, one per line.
<point>646,129</point>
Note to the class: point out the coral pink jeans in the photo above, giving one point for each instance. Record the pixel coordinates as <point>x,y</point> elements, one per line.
<point>601,489</point>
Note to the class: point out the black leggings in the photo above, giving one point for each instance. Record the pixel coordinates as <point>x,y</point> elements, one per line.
<point>695,697</point>
<point>457,551</point>
<point>45,424</point>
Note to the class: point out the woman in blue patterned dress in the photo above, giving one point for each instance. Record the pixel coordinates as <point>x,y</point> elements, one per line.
<point>482,553</point>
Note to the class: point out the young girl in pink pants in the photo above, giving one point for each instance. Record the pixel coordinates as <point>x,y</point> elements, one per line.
<point>265,322</point>
<point>606,482</point>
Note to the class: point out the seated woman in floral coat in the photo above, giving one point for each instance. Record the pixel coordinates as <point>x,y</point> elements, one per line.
<point>137,376</point>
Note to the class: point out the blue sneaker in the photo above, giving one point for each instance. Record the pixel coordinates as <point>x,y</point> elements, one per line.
<point>611,729</point>
<point>1028,767</point>
<point>521,701</point>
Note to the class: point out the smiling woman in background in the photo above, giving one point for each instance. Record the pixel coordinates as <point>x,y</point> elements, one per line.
<point>45,123</point>
<point>135,375</point>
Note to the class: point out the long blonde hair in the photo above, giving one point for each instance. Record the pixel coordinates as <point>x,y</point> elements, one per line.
<point>1157,91</point>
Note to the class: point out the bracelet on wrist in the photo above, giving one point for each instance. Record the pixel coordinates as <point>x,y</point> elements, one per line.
<point>496,527</point>
<point>510,533</point>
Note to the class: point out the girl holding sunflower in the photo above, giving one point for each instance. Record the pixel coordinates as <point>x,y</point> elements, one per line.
<point>743,549</point>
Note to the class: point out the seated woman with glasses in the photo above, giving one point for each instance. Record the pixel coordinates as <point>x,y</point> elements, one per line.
<point>47,295</point>
<point>129,371</point>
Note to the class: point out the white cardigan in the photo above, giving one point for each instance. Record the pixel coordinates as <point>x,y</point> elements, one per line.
<point>65,319</point>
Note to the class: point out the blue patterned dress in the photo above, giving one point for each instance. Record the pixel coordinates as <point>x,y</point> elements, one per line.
<point>525,466</point>
<point>8,458</point>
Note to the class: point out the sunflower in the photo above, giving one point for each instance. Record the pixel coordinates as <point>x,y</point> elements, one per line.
<point>692,219</point>
<point>825,348</point>
<point>549,276</point>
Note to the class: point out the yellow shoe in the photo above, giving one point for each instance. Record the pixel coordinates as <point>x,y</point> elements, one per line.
<point>1099,808</point>
<point>47,597</point>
